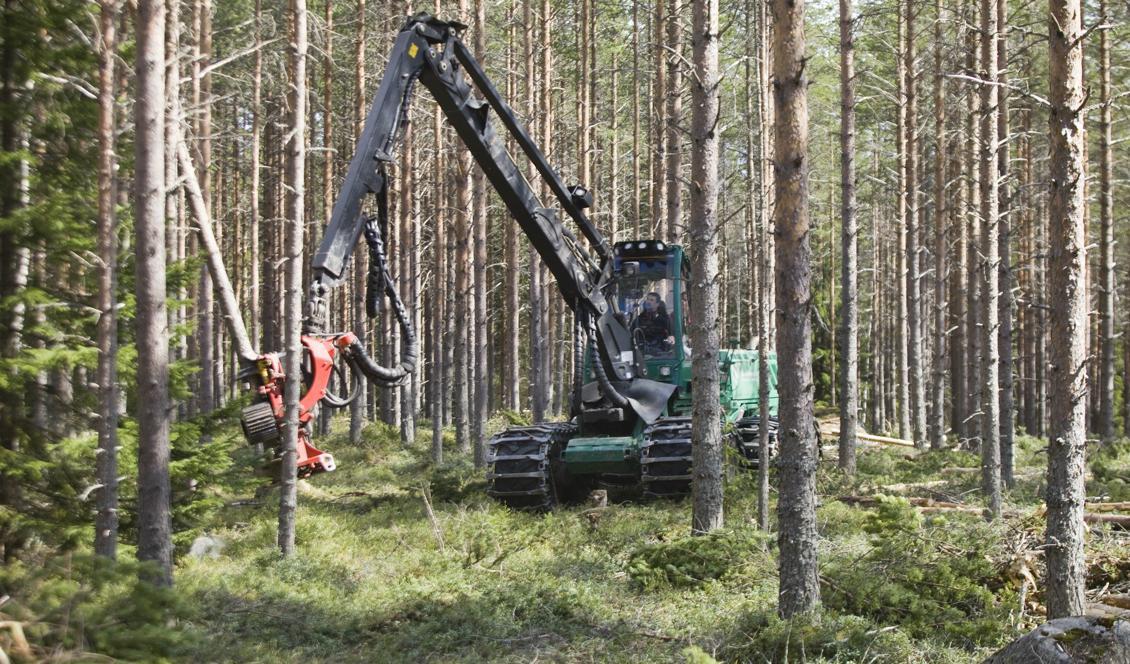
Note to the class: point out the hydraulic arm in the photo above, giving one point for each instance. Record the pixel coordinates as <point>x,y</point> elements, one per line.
<point>429,51</point>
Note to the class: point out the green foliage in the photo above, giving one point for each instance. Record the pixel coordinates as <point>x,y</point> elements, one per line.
<point>826,636</point>
<point>1110,467</point>
<point>78,602</point>
<point>929,576</point>
<point>693,561</point>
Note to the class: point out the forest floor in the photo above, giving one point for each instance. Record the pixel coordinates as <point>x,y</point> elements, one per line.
<point>375,579</point>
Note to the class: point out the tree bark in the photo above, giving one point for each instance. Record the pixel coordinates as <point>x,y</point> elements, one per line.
<point>296,208</point>
<point>357,408</point>
<point>255,286</point>
<point>1004,243</point>
<point>155,542</point>
<point>849,231</point>
<point>706,431</point>
<point>1066,292</point>
<point>796,506</point>
<point>673,122</point>
<point>937,425</point>
<point>106,472</point>
<point>482,386</point>
<point>916,360</point>
<point>902,329</point>
<point>990,248</point>
<point>659,92</point>
<point>1106,241</point>
<point>766,246</point>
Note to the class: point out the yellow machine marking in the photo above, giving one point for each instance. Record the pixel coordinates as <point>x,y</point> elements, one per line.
<point>413,50</point>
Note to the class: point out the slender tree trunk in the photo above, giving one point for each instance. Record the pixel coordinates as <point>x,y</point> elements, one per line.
<point>903,321</point>
<point>674,119</point>
<point>1106,242</point>
<point>990,358</point>
<point>707,410</point>
<point>1068,254</point>
<point>154,542</point>
<point>796,506</point>
<point>849,231</point>
<point>973,337</point>
<point>765,300</point>
<point>916,358</point>
<point>482,386</point>
<point>106,518</point>
<point>357,408</point>
<point>937,428</point>
<point>463,311</point>
<point>1004,243</point>
<point>636,188</point>
<point>296,178</point>
<point>439,320</point>
<point>659,93</point>
<point>255,287</point>
<point>537,394</point>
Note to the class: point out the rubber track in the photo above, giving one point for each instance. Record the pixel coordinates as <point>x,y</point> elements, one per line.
<point>665,458</point>
<point>520,464</point>
<point>748,442</point>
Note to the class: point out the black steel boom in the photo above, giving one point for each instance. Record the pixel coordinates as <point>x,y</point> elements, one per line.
<point>430,51</point>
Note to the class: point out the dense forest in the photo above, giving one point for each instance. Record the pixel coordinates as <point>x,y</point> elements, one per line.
<point>913,208</point>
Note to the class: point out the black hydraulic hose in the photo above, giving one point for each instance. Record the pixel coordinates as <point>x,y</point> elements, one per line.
<point>606,387</point>
<point>580,342</point>
<point>380,284</point>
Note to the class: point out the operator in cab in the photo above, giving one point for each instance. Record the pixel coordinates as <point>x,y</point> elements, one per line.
<point>655,324</point>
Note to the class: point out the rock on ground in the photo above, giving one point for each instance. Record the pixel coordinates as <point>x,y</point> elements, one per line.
<point>1070,640</point>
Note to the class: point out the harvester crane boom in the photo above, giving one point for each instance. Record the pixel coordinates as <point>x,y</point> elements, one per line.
<point>430,51</point>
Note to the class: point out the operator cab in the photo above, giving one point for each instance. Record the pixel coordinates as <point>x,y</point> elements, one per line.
<point>651,296</point>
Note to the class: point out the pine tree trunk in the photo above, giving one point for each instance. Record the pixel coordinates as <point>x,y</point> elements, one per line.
<point>106,471</point>
<point>255,286</point>
<point>1004,243</point>
<point>537,393</point>
<point>155,542</point>
<point>706,429</point>
<point>937,425</point>
<point>916,360</point>
<point>674,119</point>
<point>439,319</point>
<point>849,232</point>
<point>1066,293</point>
<point>766,245</point>
<point>296,208</point>
<point>1106,241</point>
<point>482,386</point>
<point>990,357</point>
<point>659,123</point>
<point>357,408</point>
<point>902,336</point>
<point>796,506</point>
<point>202,105</point>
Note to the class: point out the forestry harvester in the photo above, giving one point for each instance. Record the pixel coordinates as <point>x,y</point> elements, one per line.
<point>630,421</point>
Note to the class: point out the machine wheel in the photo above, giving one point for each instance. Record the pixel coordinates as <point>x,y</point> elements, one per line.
<point>523,465</point>
<point>665,458</point>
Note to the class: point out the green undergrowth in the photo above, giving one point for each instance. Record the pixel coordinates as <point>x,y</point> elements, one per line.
<point>375,578</point>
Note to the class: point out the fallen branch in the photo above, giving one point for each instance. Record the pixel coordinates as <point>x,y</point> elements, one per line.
<point>425,491</point>
<point>872,438</point>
